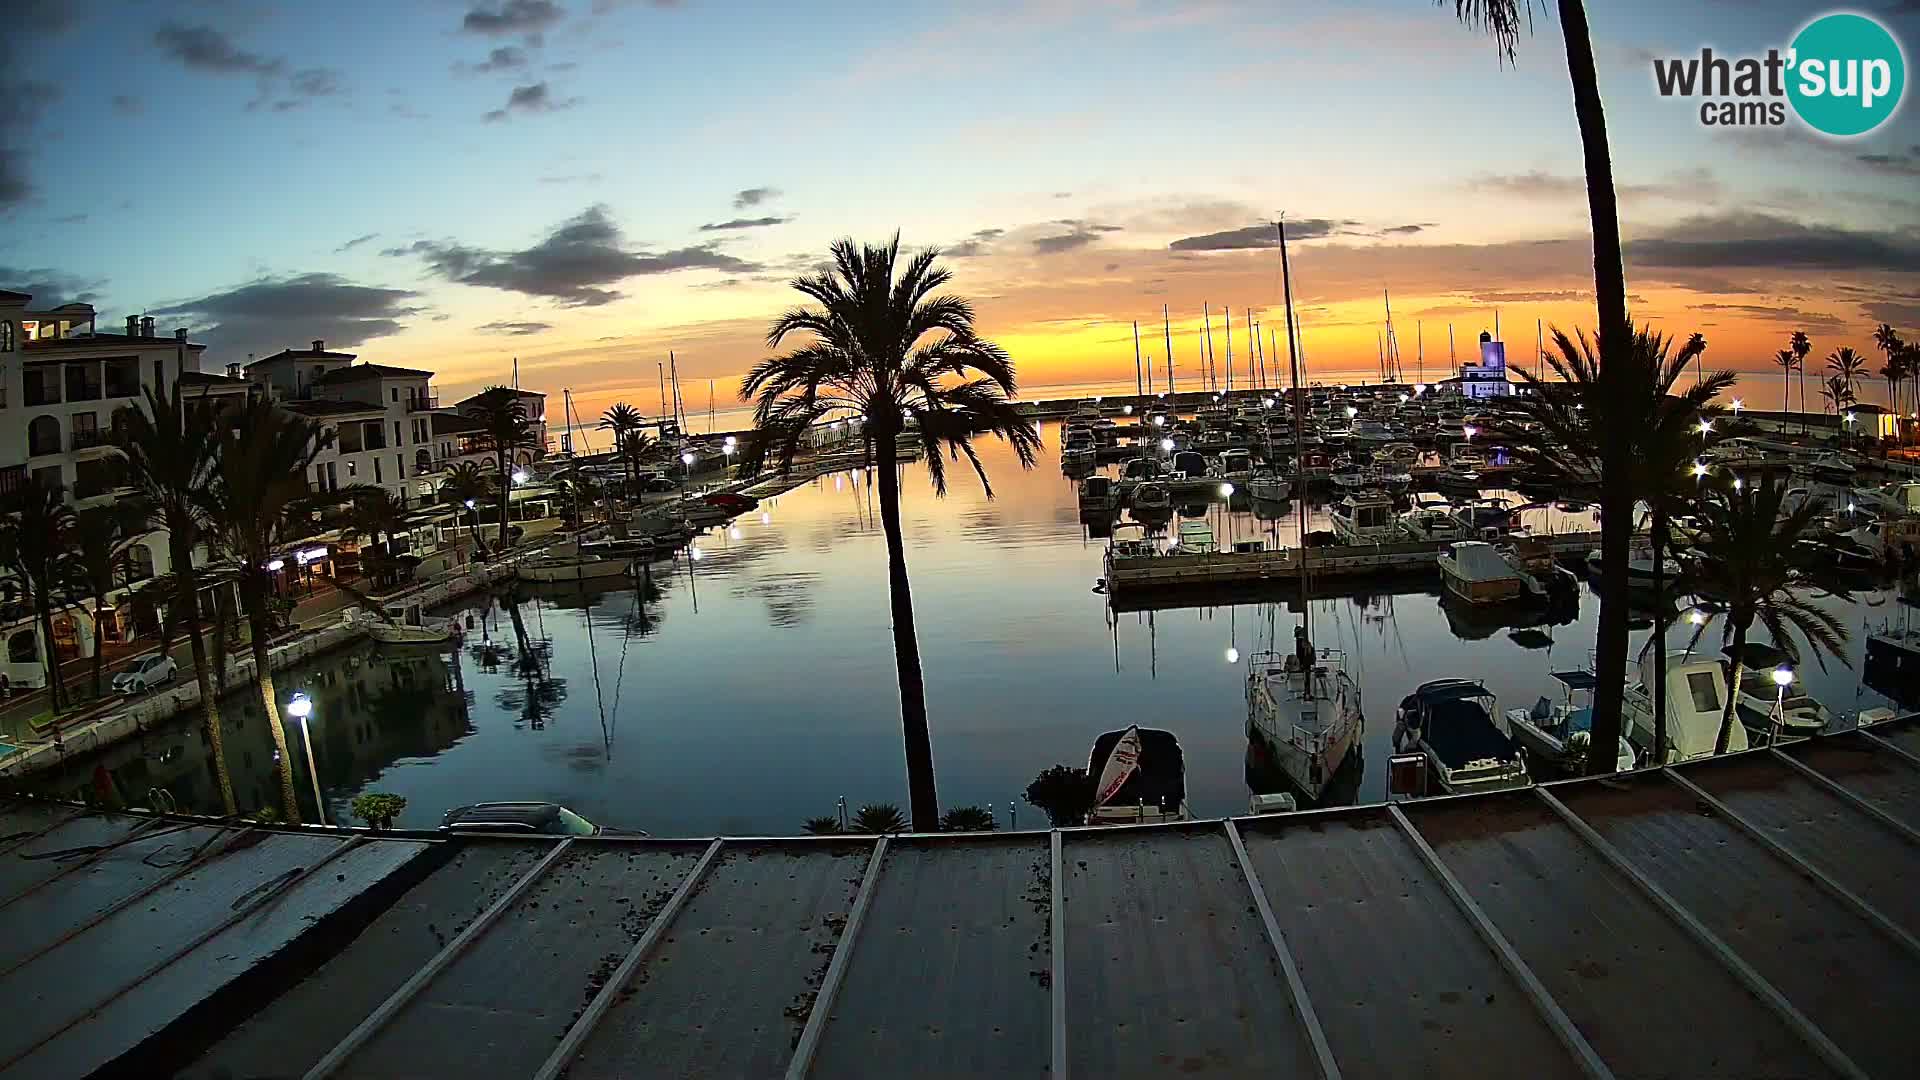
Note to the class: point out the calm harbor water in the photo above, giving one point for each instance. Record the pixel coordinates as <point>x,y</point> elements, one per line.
<point>748,688</point>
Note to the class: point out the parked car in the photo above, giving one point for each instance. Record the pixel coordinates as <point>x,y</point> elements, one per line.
<point>546,818</point>
<point>145,673</point>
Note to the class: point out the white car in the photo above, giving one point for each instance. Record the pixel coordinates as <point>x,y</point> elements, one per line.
<point>145,673</point>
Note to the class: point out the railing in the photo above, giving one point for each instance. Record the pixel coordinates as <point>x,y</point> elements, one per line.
<point>83,440</point>
<point>422,404</point>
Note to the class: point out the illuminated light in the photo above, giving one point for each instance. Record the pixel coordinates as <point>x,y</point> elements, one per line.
<point>696,554</point>
<point>469,504</point>
<point>519,476</point>
<point>1470,431</point>
<point>1849,506</point>
<point>729,443</point>
<point>686,458</point>
<point>1699,469</point>
<point>1783,676</point>
<point>1419,388</point>
<point>1352,412</point>
<point>1126,410</point>
<point>1737,406</point>
<point>1697,617</point>
<point>1159,421</point>
<point>1233,655</point>
<point>276,566</point>
<point>1166,446</point>
<point>1403,399</point>
<point>766,518</point>
<point>300,707</point>
<point>1849,418</point>
<point>733,533</point>
<point>1226,491</point>
<point>312,554</point>
<point>1706,426</point>
<point>1738,483</point>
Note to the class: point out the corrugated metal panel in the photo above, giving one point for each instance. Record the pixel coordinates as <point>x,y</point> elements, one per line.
<point>1905,735</point>
<point>966,915</point>
<point>1649,998</point>
<point>120,1025</point>
<point>62,985</point>
<point>37,860</point>
<point>1168,967</point>
<point>1858,851</point>
<point>1398,976</point>
<point>514,991</point>
<point>1886,780</point>
<point>21,821</point>
<point>1818,952</point>
<point>731,981</point>
<point>291,1033</point>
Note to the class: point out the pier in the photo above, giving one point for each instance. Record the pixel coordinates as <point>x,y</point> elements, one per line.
<point>1139,573</point>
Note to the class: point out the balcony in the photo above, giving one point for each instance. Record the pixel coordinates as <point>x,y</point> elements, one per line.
<point>88,439</point>
<point>422,404</point>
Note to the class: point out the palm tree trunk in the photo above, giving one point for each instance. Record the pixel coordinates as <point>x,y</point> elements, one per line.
<point>1659,525</point>
<point>209,708</point>
<point>56,691</point>
<point>506,489</point>
<point>258,627</point>
<point>921,793</point>
<point>99,661</point>
<point>1733,688</point>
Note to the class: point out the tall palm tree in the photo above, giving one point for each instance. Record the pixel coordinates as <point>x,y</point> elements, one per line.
<point>1573,421</point>
<point>260,476</point>
<point>36,547</point>
<point>376,514</point>
<point>1747,548</point>
<point>504,429</point>
<point>887,352</point>
<point>1836,394</point>
<point>1787,361</point>
<point>624,421</point>
<point>169,443</point>
<point>466,485</point>
<point>101,537</point>
<point>1802,347</point>
<point>1848,365</point>
<point>1887,340</point>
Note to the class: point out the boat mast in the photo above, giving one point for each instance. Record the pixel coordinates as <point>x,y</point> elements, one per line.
<point>1420,348</point>
<point>662,370</point>
<point>1299,438</point>
<point>1213,373</point>
<point>1166,329</point>
<point>1253,337</point>
<point>1137,391</point>
<point>1228,312</point>
<point>1260,351</point>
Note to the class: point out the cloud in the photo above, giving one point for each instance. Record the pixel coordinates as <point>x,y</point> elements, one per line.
<point>1530,296</point>
<point>315,82</point>
<point>126,104</point>
<point>512,17</point>
<point>356,242</point>
<point>536,98</point>
<point>266,315</point>
<point>572,178</point>
<point>514,329</point>
<point>48,287</point>
<point>743,223</point>
<point>574,264</point>
<point>1078,235</point>
<point>203,48</point>
<point>23,99</point>
<point>1406,230</point>
<point>1751,240</point>
<point>974,245</point>
<point>754,196</point>
<point>1264,236</point>
<point>1770,313</point>
<point>504,58</point>
<point>1685,185</point>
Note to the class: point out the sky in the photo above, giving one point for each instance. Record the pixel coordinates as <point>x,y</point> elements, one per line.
<point>586,185</point>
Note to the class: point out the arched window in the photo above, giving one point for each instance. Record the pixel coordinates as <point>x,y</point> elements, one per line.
<point>139,564</point>
<point>23,647</point>
<point>43,436</point>
<point>422,460</point>
<point>6,335</point>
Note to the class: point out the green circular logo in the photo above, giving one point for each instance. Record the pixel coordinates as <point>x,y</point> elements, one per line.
<point>1847,76</point>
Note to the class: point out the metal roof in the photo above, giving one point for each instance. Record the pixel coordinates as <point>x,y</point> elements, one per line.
<point>1748,915</point>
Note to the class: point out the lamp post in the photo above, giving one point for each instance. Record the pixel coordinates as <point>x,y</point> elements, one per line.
<point>301,708</point>
<point>1782,678</point>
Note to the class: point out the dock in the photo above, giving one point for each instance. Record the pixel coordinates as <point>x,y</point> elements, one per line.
<point>1742,916</point>
<point>1134,573</point>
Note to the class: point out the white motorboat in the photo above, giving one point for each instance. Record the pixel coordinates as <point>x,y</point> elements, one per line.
<point>1465,455</point>
<point>1561,735</point>
<point>1194,537</point>
<point>1372,433</point>
<point>1098,495</point>
<point>1431,523</point>
<point>1364,519</point>
<point>1540,573</point>
<point>579,567</point>
<point>1152,500</point>
<point>1395,480</point>
<point>1696,700</point>
<point>1236,464</point>
<point>1459,478</point>
<point>1305,710</point>
<point>1640,568</point>
<point>629,548</point>
<point>1267,485</point>
<point>1764,704</point>
<point>403,624</point>
<point>1891,500</point>
<point>1886,538</point>
<point>1404,455</point>
<point>1838,468</point>
<point>1476,572</point>
<point>1451,723</point>
<point>1142,778</point>
<point>1351,477</point>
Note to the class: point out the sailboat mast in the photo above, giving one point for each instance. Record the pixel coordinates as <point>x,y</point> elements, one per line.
<point>1166,330</point>
<point>1137,390</point>
<point>662,370</point>
<point>1260,350</point>
<point>1299,437</point>
<point>1450,361</point>
<point>1213,373</point>
<point>1228,312</point>
<point>1252,337</point>
<point>1420,348</point>
<point>673,370</point>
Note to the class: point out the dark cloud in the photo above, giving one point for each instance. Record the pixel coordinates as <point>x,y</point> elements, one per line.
<point>573,265</point>
<point>1264,236</point>
<point>1749,240</point>
<point>754,196</point>
<point>514,329</point>
<point>1406,230</point>
<point>504,58</point>
<point>743,223</point>
<point>126,104</point>
<point>1530,296</point>
<point>315,82</point>
<point>535,98</point>
<point>33,24</point>
<point>1078,235</point>
<point>1694,185</point>
<point>1531,185</point>
<point>356,242</point>
<point>267,315</point>
<point>512,17</point>
<point>203,48</point>
<point>1770,313</point>
<point>975,244</point>
<point>48,287</point>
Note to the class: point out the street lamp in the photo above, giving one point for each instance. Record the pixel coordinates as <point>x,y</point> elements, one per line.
<point>1160,420</point>
<point>300,708</point>
<point>1737,406</point>
<point>1226,491</point>
<point>1782,678</point>
<point>1352,412</point>
<point>1699,470</point>
<point>1419,388</point>
<point>1738,483</point>
<point>1166,446</point>
<point>519,476</point>
<point>1469,431</point>
<point>1126,410</point>
<point>1233,655</point>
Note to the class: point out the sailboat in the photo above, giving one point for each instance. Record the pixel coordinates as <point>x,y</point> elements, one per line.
<point>1143,778</point>
<point>1303,707</point>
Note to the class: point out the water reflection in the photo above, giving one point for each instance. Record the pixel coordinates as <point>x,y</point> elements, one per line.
<point>749,689</point>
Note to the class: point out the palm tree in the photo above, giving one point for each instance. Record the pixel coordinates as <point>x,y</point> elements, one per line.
<point>1850,366</point>
<point>504,429</point>
<point>376,514</point>
<point>889,353</point>
<point>1836,394</point>
<point>1574,420</point>
<point>1787,361</point>
<point>170,446</point>
<point>36,547</point>
<point>1887,340</point>
<point>260,476</point>
<point>101,537</point>
<point>1802,347</point>
<point>1747,548</point>
<point>624,421</point>
<point>466,485</point>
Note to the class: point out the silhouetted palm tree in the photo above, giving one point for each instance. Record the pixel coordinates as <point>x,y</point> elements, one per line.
<point>1848,365</point>
<point>1802,347</point>
<point>36,548</point>
<point>888,353</point>
<point>170,445</point>
<point>1787,361</point>
<point>1578,417</point>
<point>260,476</point>
<point>504,430</point>
<point>1747,563</point>
<point>378,515</point>
<point>465,485</point>
<point>624,421</point>
<point>1887,340</point>
<point>101,537</point>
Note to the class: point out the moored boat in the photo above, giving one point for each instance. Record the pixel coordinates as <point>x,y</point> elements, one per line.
<point>1451,723</point>
<point>1475,571</point>
<point>403,624</point>
<point>580,567</point>
<point>1560,735</point>
<point>1696,697</point>
<point>1142,777</point>
<point>1364,519</point>
<point>1305,710</point>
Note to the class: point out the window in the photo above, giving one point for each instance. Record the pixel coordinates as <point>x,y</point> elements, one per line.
<point>86,430</point>
<point>333,477</point>
<point>83,381</point>
<point>123,377</point>
<point>6,335</point>
<point>376,470</point>
<point>23,648</point>
<point>43,436</point>
<point>95,476</point>
<point>42,385</point>
<point>422,461</point>
<point>352,470</point>
<point>397,439</point>
<point>396,395</point>
<point>159,376</point>
<point>399,466</point>
<point>1706,696</point>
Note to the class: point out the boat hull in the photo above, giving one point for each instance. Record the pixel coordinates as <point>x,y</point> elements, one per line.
<point>1488,591</point>
<point>589,570</point>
